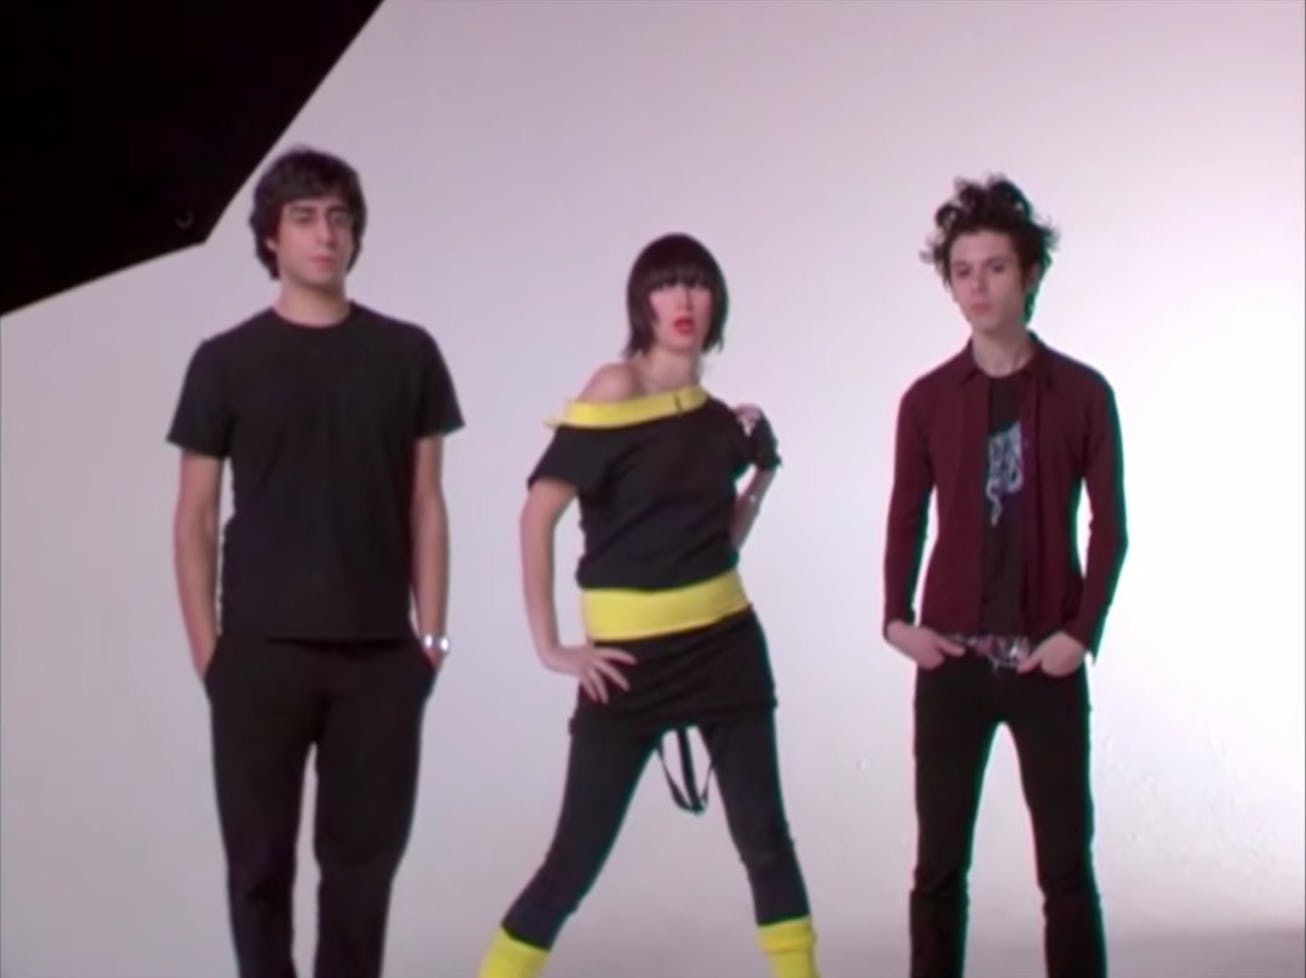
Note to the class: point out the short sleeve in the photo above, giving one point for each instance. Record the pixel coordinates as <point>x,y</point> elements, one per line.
<point>740,445</point>
<point>202,421</point>
<point>438,411</point>
<point>577,456</point>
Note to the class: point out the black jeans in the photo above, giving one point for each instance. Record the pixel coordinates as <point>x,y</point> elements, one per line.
<point>958,707</point>
<point>602,773</point>
<point>361,708</point>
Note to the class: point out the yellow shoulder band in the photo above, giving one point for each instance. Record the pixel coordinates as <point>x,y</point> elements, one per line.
<point>636,410</point>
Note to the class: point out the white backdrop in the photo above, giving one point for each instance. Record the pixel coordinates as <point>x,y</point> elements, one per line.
<point>516,156</point>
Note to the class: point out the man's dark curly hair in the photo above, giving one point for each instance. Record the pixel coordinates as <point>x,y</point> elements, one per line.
<point>298,174</point>
<point>997,205</point>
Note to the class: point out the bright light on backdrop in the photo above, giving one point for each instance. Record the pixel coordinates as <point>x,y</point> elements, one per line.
<point>516,156</point>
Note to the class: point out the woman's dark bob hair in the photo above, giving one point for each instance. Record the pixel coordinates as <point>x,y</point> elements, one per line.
<point>674,259</point>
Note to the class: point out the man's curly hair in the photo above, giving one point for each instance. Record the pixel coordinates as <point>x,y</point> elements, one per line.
<point>997,205</point>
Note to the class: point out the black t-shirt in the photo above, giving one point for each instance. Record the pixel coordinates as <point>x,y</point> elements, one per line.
<point>1004,482</point>
<point>655,480</point>
<point>319,425</point>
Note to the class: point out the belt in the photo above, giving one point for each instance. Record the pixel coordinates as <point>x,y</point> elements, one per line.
<point>1004,651</point>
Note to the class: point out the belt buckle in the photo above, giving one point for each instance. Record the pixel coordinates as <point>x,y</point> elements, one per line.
<point>1008,651</point>
<point>1002,651</point>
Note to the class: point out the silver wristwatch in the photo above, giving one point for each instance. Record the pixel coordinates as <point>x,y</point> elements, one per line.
<point>437,643</point>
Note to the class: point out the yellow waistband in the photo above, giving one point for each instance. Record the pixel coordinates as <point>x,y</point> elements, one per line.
<point>613,614</point>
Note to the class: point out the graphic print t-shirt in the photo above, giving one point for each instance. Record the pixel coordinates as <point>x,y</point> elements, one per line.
<point>1004,484</point>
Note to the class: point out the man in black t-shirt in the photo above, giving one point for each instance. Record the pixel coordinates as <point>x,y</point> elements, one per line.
<point>332,418</point>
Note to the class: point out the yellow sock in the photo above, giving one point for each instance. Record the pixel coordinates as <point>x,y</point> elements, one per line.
<point>791,946</point>
<point>511,958</point>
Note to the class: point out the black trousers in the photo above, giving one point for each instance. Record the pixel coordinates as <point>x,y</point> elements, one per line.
<point>602,773</point>
<point>958,707</point>
<point>361,709</point>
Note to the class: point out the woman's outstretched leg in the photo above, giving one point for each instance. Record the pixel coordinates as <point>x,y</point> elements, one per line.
<point>748,772</point>
<point>603,769</point>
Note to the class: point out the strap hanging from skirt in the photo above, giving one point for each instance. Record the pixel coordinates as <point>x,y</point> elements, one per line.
<point>690,799</point>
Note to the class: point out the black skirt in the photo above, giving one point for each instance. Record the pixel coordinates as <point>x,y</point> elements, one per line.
<point>719,672</point>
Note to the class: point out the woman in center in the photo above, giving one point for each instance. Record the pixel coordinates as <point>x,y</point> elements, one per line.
<point>672,641</point>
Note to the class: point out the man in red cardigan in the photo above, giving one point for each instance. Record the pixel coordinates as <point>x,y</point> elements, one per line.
<point>1006,432</point>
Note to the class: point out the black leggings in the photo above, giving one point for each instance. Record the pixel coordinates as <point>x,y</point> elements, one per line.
<point>602,773</point>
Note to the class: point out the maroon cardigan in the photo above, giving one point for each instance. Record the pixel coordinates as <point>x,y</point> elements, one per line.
<point>1071,438</point>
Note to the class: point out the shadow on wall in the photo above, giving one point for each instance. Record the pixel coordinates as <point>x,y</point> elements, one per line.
<point>1235,954</point>
<point>1201,954</point>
